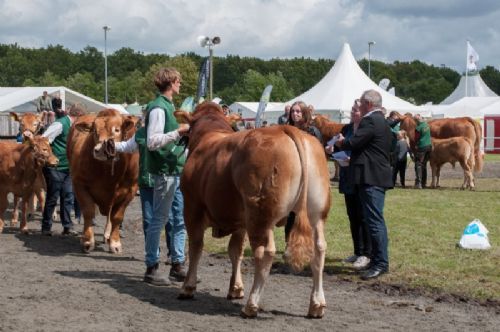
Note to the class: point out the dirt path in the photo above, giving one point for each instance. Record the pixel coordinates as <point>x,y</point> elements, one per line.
<point>47,284</point>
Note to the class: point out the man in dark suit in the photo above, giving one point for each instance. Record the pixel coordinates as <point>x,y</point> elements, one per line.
<point>371,173</point>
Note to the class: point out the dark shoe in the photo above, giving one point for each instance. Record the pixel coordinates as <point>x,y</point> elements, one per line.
<point>122,234</point>
<point>177,272</point>
<point>69,231</point>
<point>153,277</point>
<point>46,232</point>
<point>373,273</point>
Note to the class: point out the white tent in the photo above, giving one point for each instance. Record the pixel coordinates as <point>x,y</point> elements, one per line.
<point>344,83</point>
<point>473,107</point>
<point>475,88</point>
<point>22,99</point>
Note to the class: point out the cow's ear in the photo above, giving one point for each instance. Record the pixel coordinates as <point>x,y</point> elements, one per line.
<point>15,117</point>
<point>84,126</point>
<point>183,117</point>
<point>128,126</point>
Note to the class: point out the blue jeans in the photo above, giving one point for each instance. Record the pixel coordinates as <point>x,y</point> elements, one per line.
<point>59,186</point>
<point>164,189</point>
<point>175,231</point>
<point>372,201</point>
<point>146,194</point>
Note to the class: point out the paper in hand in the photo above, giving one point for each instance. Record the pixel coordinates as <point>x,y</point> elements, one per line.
<point>342,157</point>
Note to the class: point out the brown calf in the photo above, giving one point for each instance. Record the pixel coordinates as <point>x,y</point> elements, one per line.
<point>19,166</point>
<point>452,150</point>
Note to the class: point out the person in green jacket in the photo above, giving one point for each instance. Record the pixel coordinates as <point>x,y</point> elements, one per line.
<point>165,162</point>
<point>423,146</point>
<point>58,179</point>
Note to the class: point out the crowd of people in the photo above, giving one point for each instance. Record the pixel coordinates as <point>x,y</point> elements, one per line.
<point>376,149</point>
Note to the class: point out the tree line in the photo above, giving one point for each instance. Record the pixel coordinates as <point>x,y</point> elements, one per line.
<point>236,78</point>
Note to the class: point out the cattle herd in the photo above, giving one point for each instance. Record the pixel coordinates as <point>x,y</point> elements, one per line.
<point>238,183</point>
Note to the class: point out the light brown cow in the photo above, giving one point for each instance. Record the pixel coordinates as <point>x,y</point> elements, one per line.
<point>450,127</point>
<point>100,177</point>
<point>31,122</point>
<point>452,150</point>
<point>246,183</point>
<point>19,164</point>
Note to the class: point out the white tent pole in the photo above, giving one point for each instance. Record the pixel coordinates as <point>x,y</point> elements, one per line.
<point>466,69</point>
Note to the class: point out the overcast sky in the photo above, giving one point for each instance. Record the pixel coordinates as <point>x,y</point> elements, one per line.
<point>433,31</point>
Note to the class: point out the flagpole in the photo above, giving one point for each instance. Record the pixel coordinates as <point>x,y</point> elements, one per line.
<point>466,64</point>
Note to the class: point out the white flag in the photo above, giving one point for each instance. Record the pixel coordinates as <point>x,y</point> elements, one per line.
<point>472,58</point>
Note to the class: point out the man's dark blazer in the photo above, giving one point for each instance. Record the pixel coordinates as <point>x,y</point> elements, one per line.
<point>370,149</point>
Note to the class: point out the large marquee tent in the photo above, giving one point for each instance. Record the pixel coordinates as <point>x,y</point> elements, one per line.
<point>335,93</point>
<point>469,86</point>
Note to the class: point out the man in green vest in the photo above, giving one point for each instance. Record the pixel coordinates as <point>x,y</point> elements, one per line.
<point>58,178</point>
<point>423,146</point>
<point>164,161</point>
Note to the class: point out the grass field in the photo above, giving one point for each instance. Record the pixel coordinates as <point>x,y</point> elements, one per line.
<point>424,227</point>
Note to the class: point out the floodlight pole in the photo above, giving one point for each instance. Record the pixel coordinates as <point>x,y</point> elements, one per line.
<point>211,84</point>
<point>106,29</point>
<point>370,43</point>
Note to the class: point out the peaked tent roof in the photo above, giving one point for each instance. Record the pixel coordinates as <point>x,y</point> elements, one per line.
<point>344,83</point>
<point>22,99</point>
<point>475,88</point>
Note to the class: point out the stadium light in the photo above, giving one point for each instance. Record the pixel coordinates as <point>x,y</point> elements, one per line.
<point>106,29</point>
<point>205,41</point>
<point>370,44</point>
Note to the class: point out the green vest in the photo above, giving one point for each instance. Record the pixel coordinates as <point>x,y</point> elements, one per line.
<point>145,179</point>
<point>425,135</point>
<point>169,159</point>
<point>59,144</point>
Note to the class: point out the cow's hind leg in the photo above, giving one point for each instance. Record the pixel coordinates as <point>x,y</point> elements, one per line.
<point>23,227</point>
<point>15,211</point>
<point>235,249</point>
<point>195,227</point>
<point>264,249</point>
<point>3,207</point>
<point>317,302</point>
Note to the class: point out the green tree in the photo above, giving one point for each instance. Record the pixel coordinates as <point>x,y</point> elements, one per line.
<point>85,84</point>
<point>491,77</point>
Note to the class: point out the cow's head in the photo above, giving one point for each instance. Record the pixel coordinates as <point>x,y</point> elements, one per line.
<point>42,152</point>
<point>28,122</point>
<point>108,127</point>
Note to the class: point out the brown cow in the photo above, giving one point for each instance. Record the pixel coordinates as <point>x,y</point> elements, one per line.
<point>246,183</point>
<point>451,150</point>
<point>19,165</point>
<point>100,177</point>
<point>33,123</point>
<point>328,130</point>
<point>449,127</point>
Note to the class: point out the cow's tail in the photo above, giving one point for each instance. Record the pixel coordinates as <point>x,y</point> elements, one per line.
<point>300,241</point>
<point>478,156</point>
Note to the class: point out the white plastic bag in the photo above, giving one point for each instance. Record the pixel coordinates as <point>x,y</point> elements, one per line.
<point>475,236</point>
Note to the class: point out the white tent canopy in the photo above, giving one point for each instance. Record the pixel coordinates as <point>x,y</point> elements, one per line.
<point>344,83</point>
<point>475,88</point>
<point>23,99</point>
<point>474,107</point>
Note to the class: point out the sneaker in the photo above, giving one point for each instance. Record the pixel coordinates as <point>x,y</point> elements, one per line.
<point>153,277</point>
<point>46,232</point>
<point>177,272</point>
<point>69,231</point>
<point>351,259</point>
<point>361,262</point>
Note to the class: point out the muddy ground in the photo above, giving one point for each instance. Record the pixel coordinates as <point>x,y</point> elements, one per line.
<point>48,284</point>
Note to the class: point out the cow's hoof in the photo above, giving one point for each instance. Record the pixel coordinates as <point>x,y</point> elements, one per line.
<point>249,311</point>
<point>1,229</point>
<point>25,231</point>
<point>88,246</point>
<point>236,293</point>
<point>115,247</point>
<point>316,311</point>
